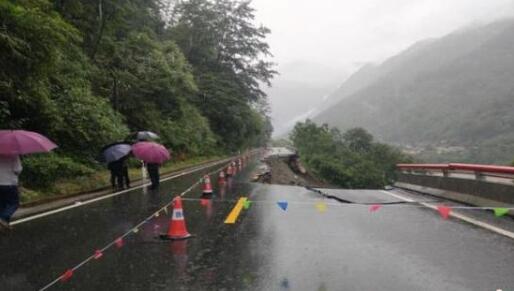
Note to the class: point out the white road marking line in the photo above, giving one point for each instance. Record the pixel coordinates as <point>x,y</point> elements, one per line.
<point>462,217</point>
<point>82,203</point>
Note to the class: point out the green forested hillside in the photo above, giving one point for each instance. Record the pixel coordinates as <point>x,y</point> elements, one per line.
<point>87,73</point>
<point>447,99</point>
<point>351,159</point>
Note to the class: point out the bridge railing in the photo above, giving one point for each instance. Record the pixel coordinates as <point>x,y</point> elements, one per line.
<point>493,173</point>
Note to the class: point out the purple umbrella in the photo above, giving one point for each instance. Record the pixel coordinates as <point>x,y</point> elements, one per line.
<point>150,152</point>
<point>21,142</point>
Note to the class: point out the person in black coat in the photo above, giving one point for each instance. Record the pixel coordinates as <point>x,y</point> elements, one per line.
<point>153,172</point>
<point>125,172</point>
<point>116,168</point>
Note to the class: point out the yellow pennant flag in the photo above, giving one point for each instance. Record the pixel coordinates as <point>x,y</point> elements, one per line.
<point>321,206</point>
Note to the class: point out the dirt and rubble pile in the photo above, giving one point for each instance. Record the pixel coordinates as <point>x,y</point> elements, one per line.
<point>280,171</point>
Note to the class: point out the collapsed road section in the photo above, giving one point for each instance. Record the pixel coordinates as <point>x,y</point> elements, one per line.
<point>283,166</point>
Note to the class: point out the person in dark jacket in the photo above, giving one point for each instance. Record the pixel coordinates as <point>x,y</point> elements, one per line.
<point>125,173</point>
<point>116,169</point>
<point>153,172</point>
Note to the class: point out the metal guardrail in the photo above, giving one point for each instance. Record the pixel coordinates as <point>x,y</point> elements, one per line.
<point>458,166</point>
<point>481,172</point>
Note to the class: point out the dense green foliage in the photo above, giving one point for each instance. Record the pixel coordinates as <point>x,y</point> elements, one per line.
<point>87,73</point>
<point>351,159</point>
<point>448,99</point>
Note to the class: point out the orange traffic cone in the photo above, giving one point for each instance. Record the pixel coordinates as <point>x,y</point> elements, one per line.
<point>177,229</point>
<point>207,186</point>
<point>221,178</point>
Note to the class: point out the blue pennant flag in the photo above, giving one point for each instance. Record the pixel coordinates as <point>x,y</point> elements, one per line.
<point>282,205</point>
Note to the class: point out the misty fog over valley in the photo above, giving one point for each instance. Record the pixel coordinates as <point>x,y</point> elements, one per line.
<point>442,98</point>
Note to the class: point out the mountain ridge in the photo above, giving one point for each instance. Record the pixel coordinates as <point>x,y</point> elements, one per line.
<point>431,93</point>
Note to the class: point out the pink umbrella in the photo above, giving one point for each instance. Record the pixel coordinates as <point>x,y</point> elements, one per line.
<point>150,152</point>
<point>21,142</point>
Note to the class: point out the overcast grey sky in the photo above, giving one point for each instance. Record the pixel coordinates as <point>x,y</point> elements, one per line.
<point>347,33</point>
<point>319,43</point>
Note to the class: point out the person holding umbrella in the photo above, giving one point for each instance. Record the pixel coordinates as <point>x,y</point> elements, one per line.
<point>115,155</point>
<point>14,143</point>
<point>10,169</point>
<point>153,154</point>
<point>125,172</point>
<point>153,173</point>
<point>116,168</point>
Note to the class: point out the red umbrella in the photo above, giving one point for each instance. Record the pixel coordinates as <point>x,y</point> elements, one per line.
<point>21,142</point>
<point>150,152</point>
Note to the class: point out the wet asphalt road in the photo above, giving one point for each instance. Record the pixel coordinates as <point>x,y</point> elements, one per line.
<point>344,248</point>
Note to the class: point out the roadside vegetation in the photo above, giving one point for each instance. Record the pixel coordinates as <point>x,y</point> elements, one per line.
<point>351,159</point>
<point>89,73</point>
<point>98,180</point>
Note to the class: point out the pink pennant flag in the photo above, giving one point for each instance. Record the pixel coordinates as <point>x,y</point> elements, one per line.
<point>67,275</point>
<point>444,211</point>
<point>374,207</point>
<point>98,254</point>
<point>119,242</point>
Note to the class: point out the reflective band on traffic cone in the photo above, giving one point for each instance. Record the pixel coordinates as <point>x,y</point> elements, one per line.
<point>177,228</point>
<point>221,178</point>
<point>207,187</point>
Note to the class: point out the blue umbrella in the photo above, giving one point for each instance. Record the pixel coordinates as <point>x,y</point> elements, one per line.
<point>116,151</point>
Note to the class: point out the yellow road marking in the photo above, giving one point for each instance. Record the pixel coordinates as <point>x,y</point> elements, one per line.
<point>232,216</point>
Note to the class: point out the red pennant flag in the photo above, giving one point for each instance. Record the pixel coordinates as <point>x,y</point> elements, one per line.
<point>67,275</point>
<point>444,211</point>
<point>119,242</point>
<point>98,254</point>
<point>374,207</point>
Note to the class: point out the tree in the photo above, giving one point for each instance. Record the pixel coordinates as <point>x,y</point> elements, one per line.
<point>46,81</point>
<point>350,160</point>
<point>228,56</point>
<point>358,139</point>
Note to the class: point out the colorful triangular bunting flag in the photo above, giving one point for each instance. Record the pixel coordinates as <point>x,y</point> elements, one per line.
<point>498,212</point>
<point>98,254</point>
<point>119,242</point>
<point>444,211</point>
<point>282,205</point>
<point>321,206</point>
<point>247,204</point>
<point>374,207</point>
<point>67,275</point>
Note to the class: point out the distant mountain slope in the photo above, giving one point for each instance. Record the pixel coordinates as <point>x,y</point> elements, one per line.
<point>454,91</point>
